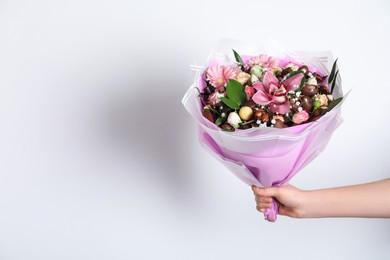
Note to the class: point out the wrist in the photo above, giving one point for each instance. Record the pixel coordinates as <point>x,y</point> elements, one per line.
<point>304,210</point>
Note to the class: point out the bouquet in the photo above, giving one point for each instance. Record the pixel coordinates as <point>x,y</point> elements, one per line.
<point>265,116</point>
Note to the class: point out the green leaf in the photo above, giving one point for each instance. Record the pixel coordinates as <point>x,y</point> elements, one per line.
<point>334,103</point>
<point>230,103</point>
<point>220,120</point>
<point>234,91</point>
<point>210,108</point>
<point>331,76</point>
<point>239,60</point>
<point>293,73</point>
<point>229,130</point>
<point>317,104</point>
<point>301,85</point>
<point>334,82</point>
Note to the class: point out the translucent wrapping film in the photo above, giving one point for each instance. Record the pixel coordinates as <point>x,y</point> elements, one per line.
<point>265,156</point>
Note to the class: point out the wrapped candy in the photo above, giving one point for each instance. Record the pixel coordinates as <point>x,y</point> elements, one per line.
<point>265,156</point>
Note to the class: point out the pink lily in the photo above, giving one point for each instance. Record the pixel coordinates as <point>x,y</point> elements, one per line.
<point>273,93</point>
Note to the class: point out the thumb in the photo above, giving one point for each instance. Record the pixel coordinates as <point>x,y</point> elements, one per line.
<point>266,192</point>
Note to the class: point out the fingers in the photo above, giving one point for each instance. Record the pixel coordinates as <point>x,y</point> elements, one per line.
<point>263,200</point>
<point>265,192</point>
<point>263,206</point>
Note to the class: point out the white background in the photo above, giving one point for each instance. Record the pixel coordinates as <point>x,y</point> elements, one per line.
<point>99,159</point>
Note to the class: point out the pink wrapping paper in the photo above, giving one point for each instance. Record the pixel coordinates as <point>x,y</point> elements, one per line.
<point>267,157</point>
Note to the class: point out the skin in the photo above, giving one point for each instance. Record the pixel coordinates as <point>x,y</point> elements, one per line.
<point>370,200</point>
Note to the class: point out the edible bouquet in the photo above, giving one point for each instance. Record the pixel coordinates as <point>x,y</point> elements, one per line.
<point>265,116</point>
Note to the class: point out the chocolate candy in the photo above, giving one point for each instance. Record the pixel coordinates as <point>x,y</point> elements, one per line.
<point>209,89</point>
<point>208,115</point>
<point>249,103</point>
<point>319,78</point>
<point>286,71</point>
<point>261,115</point>
<point>320,111</point>
<point>279,124</point>
<point>324,90</point>
<point>309,90</point>
<point>305,69</point>
<point>246,113</point>
<point>306,103</point>
<point>227,127</point>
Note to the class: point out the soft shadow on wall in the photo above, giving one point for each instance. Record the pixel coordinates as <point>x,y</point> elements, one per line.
<point>145,119</point>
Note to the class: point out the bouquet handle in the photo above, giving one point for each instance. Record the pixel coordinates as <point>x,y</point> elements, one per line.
<point>271,214</point>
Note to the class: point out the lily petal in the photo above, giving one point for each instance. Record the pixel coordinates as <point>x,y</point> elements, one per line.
<point>293,82</point>
<point>261,98</point>
<point>272,88</point>
<point>269,78</point>
<point>279,99</point>
<point>259,86</point>
<point>280,108</point>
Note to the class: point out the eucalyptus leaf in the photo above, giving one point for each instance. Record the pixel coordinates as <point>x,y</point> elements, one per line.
<point>230,103</point>
<point>334,103</point>
<point>234,91</point>
<point>334,82</point>
<point>239,60</point>
<point>331,76</point>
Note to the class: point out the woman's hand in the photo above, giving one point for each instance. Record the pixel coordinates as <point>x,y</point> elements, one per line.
<point>289,200</point>
<point>369,200</point>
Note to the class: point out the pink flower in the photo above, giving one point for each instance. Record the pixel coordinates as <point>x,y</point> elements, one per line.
<point>265,61</point>
<point>213,99</point>
<point>274,93</point>
<point>218,75</point>
<point>250,91</point>
<point>300,117</point>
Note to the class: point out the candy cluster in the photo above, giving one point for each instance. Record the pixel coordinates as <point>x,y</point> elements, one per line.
<point>265,91</point>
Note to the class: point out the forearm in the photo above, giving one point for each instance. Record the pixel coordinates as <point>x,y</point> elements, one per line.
<point>364,200</point>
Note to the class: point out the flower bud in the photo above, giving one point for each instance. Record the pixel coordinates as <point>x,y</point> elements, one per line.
<point>250,91</point>
<point>234,119</point>
<point>242,77</point>
<point>300,117</point>
<point>254,78</point>
<point>256,70</point>
<point>323,100</point>
<point>213,99</point>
